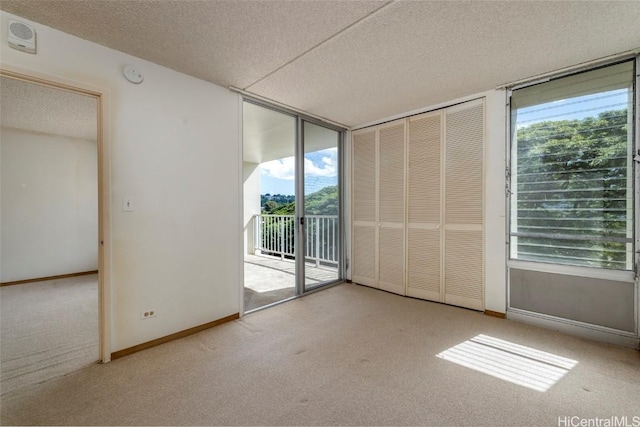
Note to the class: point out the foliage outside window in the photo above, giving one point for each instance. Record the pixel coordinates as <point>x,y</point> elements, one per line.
<point>572,170</point>
<point>278,212</point>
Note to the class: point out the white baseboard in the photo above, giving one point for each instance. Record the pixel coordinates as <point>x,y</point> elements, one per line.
<point>610,336</point>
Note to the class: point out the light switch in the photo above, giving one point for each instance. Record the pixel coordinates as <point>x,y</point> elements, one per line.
<point>127,204</point>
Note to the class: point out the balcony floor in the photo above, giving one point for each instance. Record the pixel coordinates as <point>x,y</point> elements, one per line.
<point>269,279</point>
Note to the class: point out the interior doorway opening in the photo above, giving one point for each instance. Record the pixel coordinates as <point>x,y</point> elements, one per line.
<point>50,297</point>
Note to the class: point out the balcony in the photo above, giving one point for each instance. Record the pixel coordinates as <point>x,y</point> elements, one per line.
<point>270,269</point>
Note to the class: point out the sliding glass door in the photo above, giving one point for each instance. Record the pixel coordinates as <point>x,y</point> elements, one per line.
<point>321,228</point>
<point>269,148</point>
<point>291,195</point>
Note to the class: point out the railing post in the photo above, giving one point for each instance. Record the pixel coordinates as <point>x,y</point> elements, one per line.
<point>333,239</point>
<point>257,242</point>
<point>268,228</point>
<point>280,219</point>
<point>323,249</point>
<point>317,221</point>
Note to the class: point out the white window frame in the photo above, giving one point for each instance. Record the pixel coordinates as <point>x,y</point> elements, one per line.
<point>580,271</point>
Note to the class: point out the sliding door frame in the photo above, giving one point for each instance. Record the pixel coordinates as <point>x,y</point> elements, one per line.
<point>299,236</point>
<point>300,181</point>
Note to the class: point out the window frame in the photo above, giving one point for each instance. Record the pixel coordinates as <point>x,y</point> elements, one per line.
<point>577,270</point>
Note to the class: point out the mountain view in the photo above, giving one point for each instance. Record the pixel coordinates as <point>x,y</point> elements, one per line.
<point>322,202</point>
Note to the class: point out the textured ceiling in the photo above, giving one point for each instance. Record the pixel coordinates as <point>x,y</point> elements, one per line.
<point>351,61</point>
<point>38,108</point>
<point>415,54</point>
<point>224,42</point>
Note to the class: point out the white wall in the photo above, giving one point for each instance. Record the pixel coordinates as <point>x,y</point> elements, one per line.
<point>495,209</point>
<point>175,151</point>
<point>251,180</point>
<point>49,205</point>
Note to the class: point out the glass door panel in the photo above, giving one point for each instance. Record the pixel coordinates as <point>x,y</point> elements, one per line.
<point>269,176</point>
<point>321,205</point>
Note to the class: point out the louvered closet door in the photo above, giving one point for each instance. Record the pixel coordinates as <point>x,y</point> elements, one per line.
<point>424,213</point>
<point>364,200</point>
<point>391,210</point>
<point>464,205</point>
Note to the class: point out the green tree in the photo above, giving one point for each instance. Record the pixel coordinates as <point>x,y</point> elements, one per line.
<point>269,207</point>
<point>572,183</point>
<point>322,202</point>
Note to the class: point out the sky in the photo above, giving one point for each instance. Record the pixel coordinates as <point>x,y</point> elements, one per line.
<point>574,108</point>
<point>320,167</point>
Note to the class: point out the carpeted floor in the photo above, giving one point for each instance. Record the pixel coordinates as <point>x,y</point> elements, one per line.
<point>48,329</point>
<point>348,355</point>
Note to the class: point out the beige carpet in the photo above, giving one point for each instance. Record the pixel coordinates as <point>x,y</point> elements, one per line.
<point>48,329</point>
<point>348,355</point>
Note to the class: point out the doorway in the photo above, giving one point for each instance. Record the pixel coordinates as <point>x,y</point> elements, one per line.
<point>53,258</point>
<point>292,205</point>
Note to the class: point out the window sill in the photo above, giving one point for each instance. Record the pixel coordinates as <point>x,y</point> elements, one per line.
<point>570,270</point>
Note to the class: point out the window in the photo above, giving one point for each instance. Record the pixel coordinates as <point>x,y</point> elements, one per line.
<point>572,170</point>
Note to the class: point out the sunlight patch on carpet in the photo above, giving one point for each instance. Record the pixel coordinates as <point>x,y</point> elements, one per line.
<point>511,362</point>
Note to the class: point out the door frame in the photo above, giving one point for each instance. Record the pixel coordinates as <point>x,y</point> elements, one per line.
<point>300,117</point>
<point>102,96</point>
<point>301,286</point>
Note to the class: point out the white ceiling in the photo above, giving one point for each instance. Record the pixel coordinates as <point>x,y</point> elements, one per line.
<point>37,108</point>
<point>351,61</point>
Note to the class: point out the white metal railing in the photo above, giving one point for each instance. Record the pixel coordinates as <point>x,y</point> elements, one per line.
<point>274,235</point>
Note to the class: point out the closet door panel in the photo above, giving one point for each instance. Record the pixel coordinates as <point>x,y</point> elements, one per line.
<point>423,183</point>
<point>364,201</point>
<point>392,259</point>
<point>423,201</point>
<point>364,256</point>
<point>423,264</point>
<point>464,163</point>
<point>464,205</point>
<point>391,173</point>
<point>463,271</point>
<point>364,176</point>
<point>391,210</point>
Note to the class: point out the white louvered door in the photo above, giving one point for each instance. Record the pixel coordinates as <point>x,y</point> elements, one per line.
<point>391,206</point>
<point>418,206</point>
<point>424,213</point>
<point>464,205</point>
<point>364,201</point>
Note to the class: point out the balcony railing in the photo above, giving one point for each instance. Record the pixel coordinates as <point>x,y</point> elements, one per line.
<point>274,235</point>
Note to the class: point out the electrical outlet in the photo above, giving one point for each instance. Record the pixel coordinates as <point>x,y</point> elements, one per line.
<point>148,314</point>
